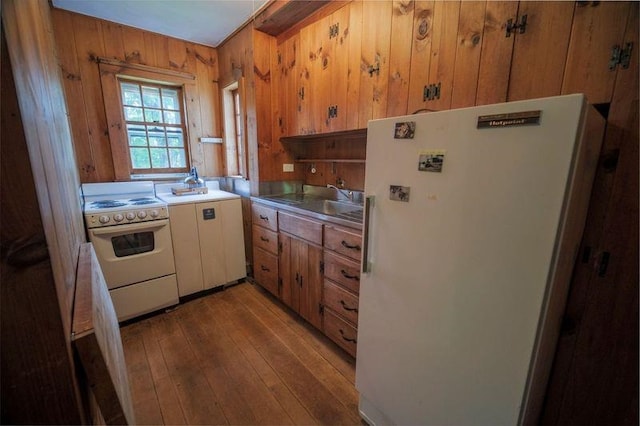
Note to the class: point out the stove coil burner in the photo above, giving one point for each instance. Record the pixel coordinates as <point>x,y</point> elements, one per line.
<point>106,204</point>
<point>142,201</point>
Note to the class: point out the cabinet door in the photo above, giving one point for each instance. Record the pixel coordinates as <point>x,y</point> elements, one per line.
<point>374,70</point>
<point>311,285</point>
<point>235,264</point>
<point>497,48</point>
<point>288,80</point>
<point>469,45</point>
<point>400,57</point>
<point>597,27</point>
<point>284,278</point>
<point>539,54</point>
<point>423,20</point>
<point>337,55</point>
<point>186,250</point>
<point>212,247</point>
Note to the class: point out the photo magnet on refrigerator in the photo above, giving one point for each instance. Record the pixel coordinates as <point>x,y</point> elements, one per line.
<point>399,193</point>
<point>404,130</point>
<point>431,161</point>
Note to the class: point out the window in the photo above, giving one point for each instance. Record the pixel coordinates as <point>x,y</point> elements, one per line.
<point>154,122</point>
<point>234,137</point>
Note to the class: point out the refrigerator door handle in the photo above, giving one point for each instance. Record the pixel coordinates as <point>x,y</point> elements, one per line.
<point>368,205</point>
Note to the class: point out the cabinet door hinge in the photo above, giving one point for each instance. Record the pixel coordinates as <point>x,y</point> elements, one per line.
<point>604,263</point>
<point>620,56</point>
<point>334,30</point>
<point>280,247</point>
<point>279,285</point>
<point>332,111</point>
<point>320,308</point>
<point>431,92</point>
<point>322,267</point>
<point>520,27</point>
<point>301,93</point>
<point>279,59</point>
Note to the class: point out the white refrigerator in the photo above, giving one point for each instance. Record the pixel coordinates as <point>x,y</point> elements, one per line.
<point>473,218</point>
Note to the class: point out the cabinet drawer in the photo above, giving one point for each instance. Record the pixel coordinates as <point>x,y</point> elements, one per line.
<point>265,239</point>
<point>343,241</point>
<point>341,301</point>
<point>341,332</point>
<point>265,270</point>
<point>343,271</point>
<point>264,216</point>
<point>301,227</point>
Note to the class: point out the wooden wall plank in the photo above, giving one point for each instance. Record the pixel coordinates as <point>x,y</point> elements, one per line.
<point>497,49</point>
<point>81,39</point>
<point>420,54</point>
<point>402,20</point>
<point>89,46</point>
<point>470,32</point>
<point>539,54</point>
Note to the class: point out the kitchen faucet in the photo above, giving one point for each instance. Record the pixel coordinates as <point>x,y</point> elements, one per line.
<point>348,194</point>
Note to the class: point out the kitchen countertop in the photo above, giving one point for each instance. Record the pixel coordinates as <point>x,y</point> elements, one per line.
<point>316,207</point>
<point>163,191</point>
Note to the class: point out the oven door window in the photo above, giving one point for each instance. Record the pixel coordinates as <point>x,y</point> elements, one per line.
<point>131,244</point>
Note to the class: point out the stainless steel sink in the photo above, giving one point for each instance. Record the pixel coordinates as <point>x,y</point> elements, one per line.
<point>342,209</point>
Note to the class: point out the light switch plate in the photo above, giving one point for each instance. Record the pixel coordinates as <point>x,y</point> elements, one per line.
<point>287,167</point>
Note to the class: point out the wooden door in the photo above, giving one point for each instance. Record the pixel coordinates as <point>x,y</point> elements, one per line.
<point>539,54</point>
<point>354,40</point>
<point>597,28</point>
<point>297,259</point>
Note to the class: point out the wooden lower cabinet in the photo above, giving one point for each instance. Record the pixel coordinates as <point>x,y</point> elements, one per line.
<point>313,267</point>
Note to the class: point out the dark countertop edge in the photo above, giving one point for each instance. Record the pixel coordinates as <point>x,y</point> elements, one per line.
<point>298,210</point>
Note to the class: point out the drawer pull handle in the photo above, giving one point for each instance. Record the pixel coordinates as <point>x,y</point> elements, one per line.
<point>264,218</point>
<point>349,277</point>
<point>346,245</point>
<point>266,240</point>
<point>264,268</point>
<point>348,339</point>
<point>347,308</point>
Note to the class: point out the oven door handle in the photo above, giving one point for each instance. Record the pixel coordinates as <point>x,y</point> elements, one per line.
<point>127,228</point>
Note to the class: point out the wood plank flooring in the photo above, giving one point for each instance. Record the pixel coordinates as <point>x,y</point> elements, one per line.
<point>237,357</point>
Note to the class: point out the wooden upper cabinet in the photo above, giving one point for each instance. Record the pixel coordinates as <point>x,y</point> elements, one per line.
<point>540,52</point>
<point>598,28</point>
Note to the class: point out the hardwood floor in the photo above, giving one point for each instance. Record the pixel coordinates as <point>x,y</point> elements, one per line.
<point>237,357</point>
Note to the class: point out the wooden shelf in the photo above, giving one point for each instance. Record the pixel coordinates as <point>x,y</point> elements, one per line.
<point>328,160</point>
<point>321,137</point>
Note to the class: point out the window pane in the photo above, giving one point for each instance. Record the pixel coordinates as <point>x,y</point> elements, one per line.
<point>137,135</point>
<point>157,141</point>
<point>132,114</point>
<point>131,94</point>
<point>151,97</point>
<point>159,158</point>
<point>177,158</point>
<point>170,99</point>
<point>174,136</point>
<point>172,117</point>
<point>140,158</point>
<point>152,115</point>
